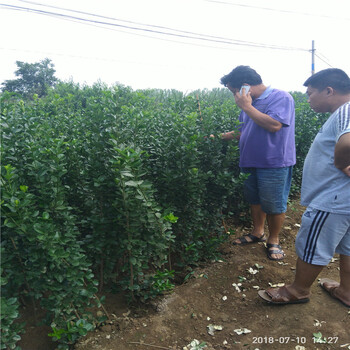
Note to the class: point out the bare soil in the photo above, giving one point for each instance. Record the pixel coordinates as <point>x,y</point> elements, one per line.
<point>210,298</point>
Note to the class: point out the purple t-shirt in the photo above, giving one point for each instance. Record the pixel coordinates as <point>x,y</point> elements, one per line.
<point>260,148</point>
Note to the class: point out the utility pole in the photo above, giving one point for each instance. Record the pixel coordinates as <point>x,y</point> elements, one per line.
<point>313,58</point>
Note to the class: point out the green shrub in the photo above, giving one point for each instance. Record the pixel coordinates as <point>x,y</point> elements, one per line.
<point>116,186</point>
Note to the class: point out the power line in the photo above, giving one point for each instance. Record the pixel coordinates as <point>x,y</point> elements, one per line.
<point>202,36</point>
<point>323,60</point>
<point>277,10</point>
<point>148,36</point>
<point>180,33</point>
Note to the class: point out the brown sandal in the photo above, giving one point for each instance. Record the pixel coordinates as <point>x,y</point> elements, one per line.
<point>331,289</point>
<point>281,296</point>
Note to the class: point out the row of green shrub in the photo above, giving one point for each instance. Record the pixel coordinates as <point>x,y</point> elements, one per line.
<point>110,186</point>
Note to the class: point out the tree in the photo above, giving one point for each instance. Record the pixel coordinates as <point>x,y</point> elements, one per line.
<point>33,78</point>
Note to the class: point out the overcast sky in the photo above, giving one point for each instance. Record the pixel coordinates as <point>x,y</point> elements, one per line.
<point>175,44</point>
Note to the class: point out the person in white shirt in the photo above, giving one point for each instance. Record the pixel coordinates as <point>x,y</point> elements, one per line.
<point>325,226</point>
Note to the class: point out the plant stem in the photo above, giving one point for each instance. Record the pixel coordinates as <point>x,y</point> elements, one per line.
<point>25,279</point>
<point>101,275</point>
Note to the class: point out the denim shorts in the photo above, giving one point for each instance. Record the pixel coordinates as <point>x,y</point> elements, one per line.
<point>321,235</point>
<point>268,187</point>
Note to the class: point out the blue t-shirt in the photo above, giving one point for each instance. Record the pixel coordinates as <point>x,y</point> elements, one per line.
<point>324,187</point>
<point>260,148</point>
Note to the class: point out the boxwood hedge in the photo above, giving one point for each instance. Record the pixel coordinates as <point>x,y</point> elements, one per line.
<point>109,186</point>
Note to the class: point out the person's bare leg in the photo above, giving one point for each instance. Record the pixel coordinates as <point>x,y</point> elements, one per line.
<point>275,222</point>
<point>305,276</point>
<point>258,218</point>
<point>344,287</point>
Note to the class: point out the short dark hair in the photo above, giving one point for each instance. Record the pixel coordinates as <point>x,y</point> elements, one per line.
<point>331,77</point>
<point>241,75</point>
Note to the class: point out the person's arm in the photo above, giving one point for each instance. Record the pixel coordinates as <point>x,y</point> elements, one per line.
<point>231,135</point>
<point>342,154</point>
<point>265,121</point>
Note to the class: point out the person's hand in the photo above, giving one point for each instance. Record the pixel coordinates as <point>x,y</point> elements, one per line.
<point>346,171</point>
<point>243,100</point>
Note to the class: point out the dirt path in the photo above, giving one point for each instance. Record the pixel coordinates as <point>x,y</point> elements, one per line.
<point>210,298</point>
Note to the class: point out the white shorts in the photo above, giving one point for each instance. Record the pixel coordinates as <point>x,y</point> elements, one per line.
<point>321,235</point>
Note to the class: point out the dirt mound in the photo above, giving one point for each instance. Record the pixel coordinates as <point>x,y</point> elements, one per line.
<point>219,306</point>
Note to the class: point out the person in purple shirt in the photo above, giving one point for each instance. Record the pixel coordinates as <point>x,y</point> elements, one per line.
<point>267,153</point>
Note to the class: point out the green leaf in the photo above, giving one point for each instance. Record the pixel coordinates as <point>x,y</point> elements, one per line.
<point>133,183</point>
<point>37,228</point>
<point>23,188</point>
<point>84,292</point>
<point>9,224</point>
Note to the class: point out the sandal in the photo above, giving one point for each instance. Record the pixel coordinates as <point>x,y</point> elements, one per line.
<point>254,239</point>
<point>330,288</point>
<point>281,296</point>
<point>274,249</point>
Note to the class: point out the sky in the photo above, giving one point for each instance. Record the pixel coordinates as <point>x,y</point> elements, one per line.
<point>175,44</point>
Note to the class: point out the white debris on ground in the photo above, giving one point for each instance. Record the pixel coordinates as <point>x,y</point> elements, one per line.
<point>252,271</point>
<point>318,323</point>
<point>241,331</point>
<point>276,285</point>
<point>237,286</point>
<point>194,345</point>
<point>213,328</point>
